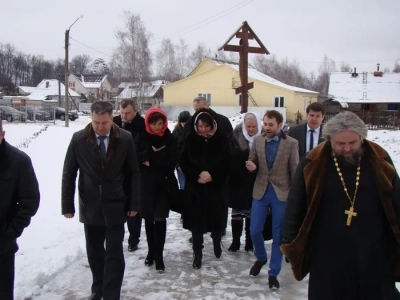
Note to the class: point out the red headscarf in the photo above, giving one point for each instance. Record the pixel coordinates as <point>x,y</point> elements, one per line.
<point>146,120</point>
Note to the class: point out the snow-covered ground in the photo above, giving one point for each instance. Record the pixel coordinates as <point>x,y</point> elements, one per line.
<point>52,263</point>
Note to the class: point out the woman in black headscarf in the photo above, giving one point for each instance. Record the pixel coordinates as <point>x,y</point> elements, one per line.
<point>205,161</point>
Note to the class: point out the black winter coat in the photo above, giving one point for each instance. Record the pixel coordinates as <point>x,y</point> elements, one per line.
<point>20,195</point>
<point>108,187</point>
<point>137,125</point>
<point>241,181</point>
<point>159,184</point>
<point>206,203</point>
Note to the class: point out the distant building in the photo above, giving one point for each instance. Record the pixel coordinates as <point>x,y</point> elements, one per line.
<point>368,91</point>
<point>216,80</point>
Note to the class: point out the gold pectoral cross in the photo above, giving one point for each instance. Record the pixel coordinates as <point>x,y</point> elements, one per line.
<point>350,213</point>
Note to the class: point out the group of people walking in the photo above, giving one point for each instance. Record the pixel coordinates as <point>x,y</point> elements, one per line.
<point>301,182</point>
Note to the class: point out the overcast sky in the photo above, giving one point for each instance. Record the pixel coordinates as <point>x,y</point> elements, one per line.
<point>359,32</point>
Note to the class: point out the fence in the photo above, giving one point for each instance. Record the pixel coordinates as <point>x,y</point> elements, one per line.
<point>29,113</point>
<point>376,120</point>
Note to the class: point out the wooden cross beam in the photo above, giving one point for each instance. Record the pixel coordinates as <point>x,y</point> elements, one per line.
<point>244,33</point>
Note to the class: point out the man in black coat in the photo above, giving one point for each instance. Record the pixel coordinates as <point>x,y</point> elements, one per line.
<point>132,121</point>
<point>109,191</point>
<point>20,199</point>
<point>309,135</point>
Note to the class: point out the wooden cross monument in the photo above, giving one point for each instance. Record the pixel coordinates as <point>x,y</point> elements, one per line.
<point>244,33</point>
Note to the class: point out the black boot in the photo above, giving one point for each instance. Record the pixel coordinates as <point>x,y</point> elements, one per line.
<point>160,233</point>
<point>237,228</point>
<point>249,243</point>
<point>149,226</point>
<point>216,237</point>
<point>197,249</point>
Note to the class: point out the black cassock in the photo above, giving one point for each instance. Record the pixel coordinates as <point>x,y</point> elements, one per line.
<point>350,262</point>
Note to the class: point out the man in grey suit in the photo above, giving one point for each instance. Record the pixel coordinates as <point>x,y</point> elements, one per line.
<point>309,135</point>
<point>275,157</point>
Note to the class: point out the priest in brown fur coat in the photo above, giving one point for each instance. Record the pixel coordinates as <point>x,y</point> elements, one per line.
<point>342,218</point>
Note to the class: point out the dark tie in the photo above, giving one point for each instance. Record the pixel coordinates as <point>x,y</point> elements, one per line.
<point>311,139</point>
<point>102,145</point>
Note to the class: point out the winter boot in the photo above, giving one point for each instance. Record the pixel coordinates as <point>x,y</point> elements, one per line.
<point>256,268</point>
<point>216,237</point>
<point>237,228</point>
<point>160,233</point>
<point>197,257</point>
<point>273,283</point>
<point>197,249</point>
<point>249,243</point>
<point>149,226</point>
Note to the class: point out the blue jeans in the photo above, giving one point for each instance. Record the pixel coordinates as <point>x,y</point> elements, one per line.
<point>258,216</point>
<point>181,180</point>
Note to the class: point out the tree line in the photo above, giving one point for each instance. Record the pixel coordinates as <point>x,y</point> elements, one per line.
<point>139,58</point>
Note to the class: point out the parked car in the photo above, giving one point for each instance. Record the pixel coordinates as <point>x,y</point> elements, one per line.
<point>60,114</point>
<point>35,113</point>
<point>11,114</point>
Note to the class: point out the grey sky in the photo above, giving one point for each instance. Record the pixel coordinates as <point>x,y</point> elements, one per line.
<point>360,32</point>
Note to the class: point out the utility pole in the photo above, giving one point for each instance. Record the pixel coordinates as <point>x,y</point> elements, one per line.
<point>66,79</point>
<point>59,88</point>
<point>67,73</point>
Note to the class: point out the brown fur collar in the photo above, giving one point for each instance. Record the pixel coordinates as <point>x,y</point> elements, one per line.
<point>115,135</point>
<point>239,137</point>
<point>316,168</point>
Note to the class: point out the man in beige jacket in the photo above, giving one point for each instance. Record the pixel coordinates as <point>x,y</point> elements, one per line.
<point>274,156</point>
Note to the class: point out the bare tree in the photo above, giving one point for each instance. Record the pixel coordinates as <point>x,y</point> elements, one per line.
<point>396,68</point>
<point>345,67</point>
<point>80,64</point>
<point>181,51</point>
<point>132,58</point>
<point>166,61</point>
<point>198,54</point>
<point>284,71</point>
<point>325,69</point>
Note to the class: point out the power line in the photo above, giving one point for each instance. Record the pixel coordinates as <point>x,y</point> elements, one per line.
<point>89,47</point>
<point>213,19</point>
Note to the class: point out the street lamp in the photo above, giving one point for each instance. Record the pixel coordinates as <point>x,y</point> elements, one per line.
<point>67,72</point>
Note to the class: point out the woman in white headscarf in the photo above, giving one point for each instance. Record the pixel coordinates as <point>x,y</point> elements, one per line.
<point>241,181</point>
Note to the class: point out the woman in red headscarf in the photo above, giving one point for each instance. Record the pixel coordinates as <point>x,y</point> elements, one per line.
<point>157,152</point>
<point>205,160</point>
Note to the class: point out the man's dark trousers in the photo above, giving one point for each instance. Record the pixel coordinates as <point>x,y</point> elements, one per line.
<point>7,269</point>
<point>134,228</point>
<point>107,265</point>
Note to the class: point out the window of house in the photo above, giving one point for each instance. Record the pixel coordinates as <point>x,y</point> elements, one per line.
<point>279,101</point>
<point>207,96</point>
<point>306,102</point>
<point>71,84</point>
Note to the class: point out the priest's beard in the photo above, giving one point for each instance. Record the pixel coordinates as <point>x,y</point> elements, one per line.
<point>350,159</point>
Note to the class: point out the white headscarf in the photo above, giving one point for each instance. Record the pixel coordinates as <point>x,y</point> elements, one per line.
<point>244,131</point>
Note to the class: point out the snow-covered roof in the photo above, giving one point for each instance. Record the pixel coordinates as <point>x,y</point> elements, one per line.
<point>148,90</point>
<point>49,87</point>
<point>254,74</point>
<point>365,87</point>
<point>124,84</point>
<point>27,89</point>
<point>91,81</point>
